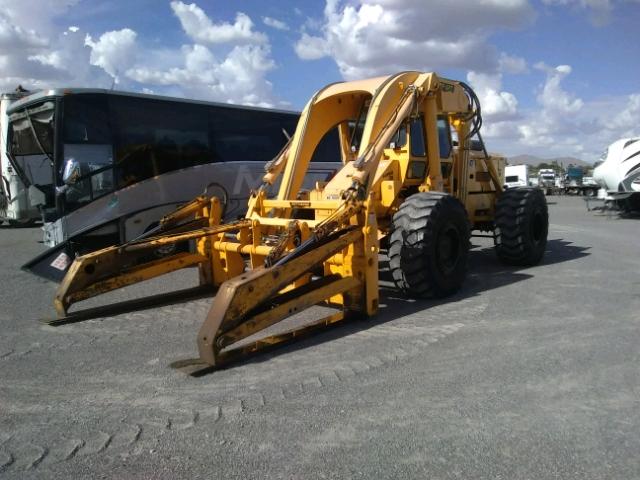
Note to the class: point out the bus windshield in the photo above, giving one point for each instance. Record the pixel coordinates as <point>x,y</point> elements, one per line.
<point>32,143</point>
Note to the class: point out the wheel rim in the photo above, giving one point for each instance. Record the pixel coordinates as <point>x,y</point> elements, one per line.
<point>448,253</point>
<point>537,227</point>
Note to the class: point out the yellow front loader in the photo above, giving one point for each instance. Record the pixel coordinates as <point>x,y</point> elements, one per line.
<point>416,178</point>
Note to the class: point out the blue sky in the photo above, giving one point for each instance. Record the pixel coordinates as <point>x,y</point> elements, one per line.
<point>555,77</point>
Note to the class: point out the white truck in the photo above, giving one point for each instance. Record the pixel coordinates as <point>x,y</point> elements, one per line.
<point>16,206</point>
<point>516,176</point>
<point>547,180</point>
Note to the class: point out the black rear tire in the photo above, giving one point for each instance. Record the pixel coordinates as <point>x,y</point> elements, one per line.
<point>522,225</point>
<point>429,245</point>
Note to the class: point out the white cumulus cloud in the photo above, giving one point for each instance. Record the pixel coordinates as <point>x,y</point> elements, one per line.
<point>114,51</point>
<point>198,26</point>
<point>565,124</point>
<point>54,59</point>
<point>496,105</point>
<point>512,64</point>
<point>230,60</point>
<point>275,23</point>
<point>311,48</point>
<point>236,78</point>
<point>36,54</point>
<point>555,100</point>
<point>36,15</point>
<point>226,63</point>
<point>555,125</point>
<point>13,37</point>
<point>599,10</point>
<point>371,37</point>
<point>627,122</point>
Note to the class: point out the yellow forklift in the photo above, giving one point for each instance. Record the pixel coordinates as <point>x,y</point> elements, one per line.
<point>416,179</point>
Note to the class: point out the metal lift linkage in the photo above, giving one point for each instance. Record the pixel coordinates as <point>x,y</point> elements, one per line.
<point>403,179</point>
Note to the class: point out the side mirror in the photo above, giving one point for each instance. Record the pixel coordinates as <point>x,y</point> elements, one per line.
<point>71,172</point>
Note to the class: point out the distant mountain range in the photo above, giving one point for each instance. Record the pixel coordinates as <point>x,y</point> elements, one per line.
<point>535,161</point>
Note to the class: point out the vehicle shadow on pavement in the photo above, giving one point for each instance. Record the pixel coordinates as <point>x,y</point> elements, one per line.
<point>559,250</point>
<point>485,273</point>
<point>4,226</point>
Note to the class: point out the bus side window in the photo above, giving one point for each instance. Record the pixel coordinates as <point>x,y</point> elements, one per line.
<point>328,149</point>
<point>248,135</point>
<point>325,160</point>
<point>86,120</point>
<point>87,140</point>
<point>154,137</point>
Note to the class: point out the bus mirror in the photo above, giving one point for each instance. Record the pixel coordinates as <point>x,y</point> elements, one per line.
<point>71,172</point>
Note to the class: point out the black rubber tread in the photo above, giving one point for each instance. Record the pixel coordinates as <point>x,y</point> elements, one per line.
<point>416,227</point>
<point>519,211</point>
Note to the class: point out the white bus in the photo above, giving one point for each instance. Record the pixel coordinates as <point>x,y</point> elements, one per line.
<point>137,157</point>
<point>18,204</point>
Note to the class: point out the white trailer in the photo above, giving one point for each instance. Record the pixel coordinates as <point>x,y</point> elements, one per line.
<point>15,203</point>
<point>620,169</point>
<point>619,173</point>
<point>516,176</point>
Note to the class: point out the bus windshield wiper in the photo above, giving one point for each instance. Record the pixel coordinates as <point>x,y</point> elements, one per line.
<point>35,134</point>
<point>18,169</point>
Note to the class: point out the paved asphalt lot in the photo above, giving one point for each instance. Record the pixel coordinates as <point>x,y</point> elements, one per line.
<point>525,374</point>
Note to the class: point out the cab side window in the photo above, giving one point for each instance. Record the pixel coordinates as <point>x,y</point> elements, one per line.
<point>418,143</point>
<point>444,137</point>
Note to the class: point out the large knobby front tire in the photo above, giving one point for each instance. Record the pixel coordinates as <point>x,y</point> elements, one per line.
<point>522,225</point>
<point>429,245</point>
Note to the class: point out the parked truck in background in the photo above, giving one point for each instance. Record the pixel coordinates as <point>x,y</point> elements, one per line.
<point>516,176</point>
<point>547,180</point>
<point>576,183</point>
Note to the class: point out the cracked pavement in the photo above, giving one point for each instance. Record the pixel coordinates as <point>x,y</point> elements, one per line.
<point>525,373</point>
